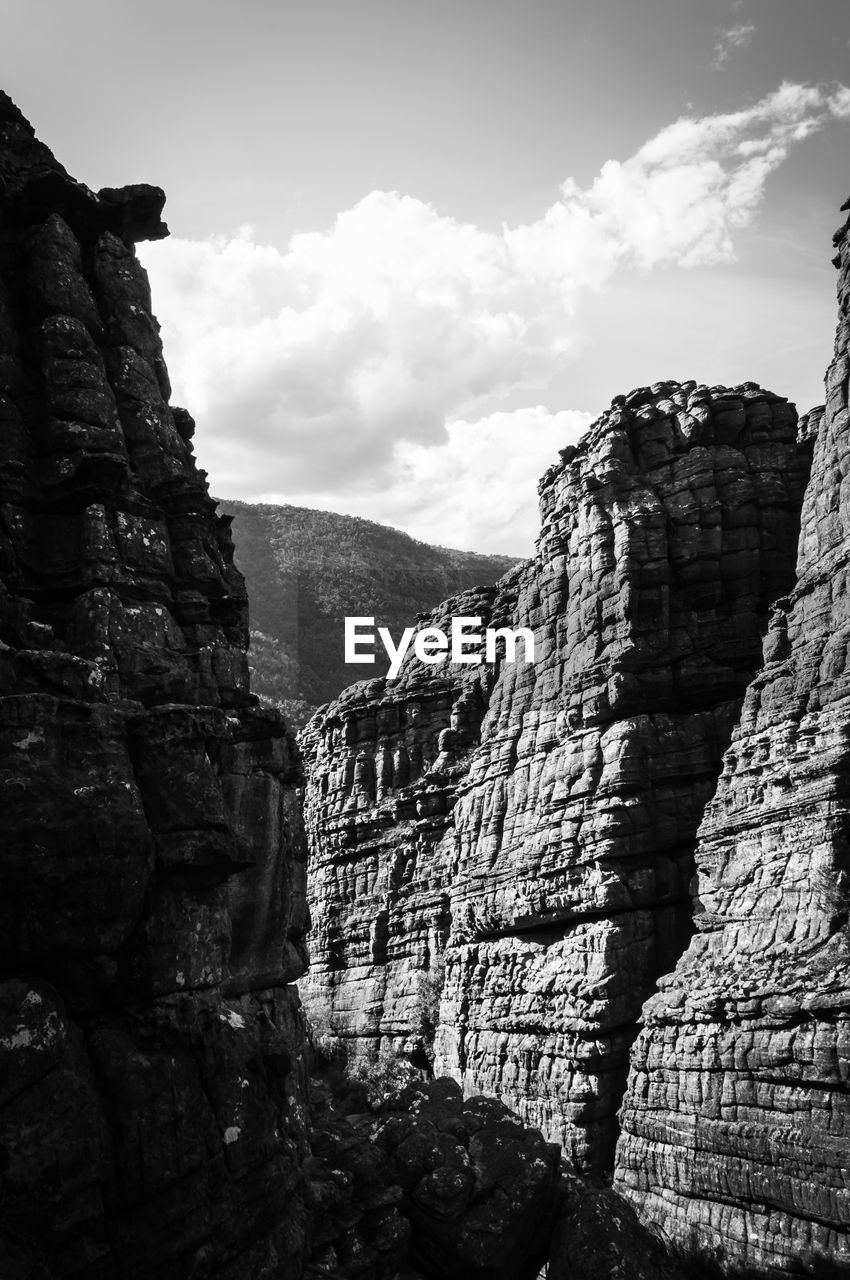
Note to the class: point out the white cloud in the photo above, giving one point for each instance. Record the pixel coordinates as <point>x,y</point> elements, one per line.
<point>476,488</point>
<point>737,36</point>
<point>373,357</point>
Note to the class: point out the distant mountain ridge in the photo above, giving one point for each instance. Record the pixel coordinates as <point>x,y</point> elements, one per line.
<point>307,570</point>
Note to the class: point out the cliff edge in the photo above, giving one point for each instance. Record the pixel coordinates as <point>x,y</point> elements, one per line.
<point>153,911</point>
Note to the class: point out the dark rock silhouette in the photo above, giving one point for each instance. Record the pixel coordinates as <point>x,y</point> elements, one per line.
<point>459,1189</point>
<point>152,917</point>
<point>599,1235</point>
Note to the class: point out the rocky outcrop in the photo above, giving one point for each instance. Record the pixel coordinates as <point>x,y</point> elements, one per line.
<point>152,917</point>
<point>600,1236</point>
<point>501,854</point>
<point>458,1190</point>
<point>736,1124</point>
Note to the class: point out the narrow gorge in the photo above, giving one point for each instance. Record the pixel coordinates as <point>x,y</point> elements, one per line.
<point>596,904</point>
<point>157,1120</point>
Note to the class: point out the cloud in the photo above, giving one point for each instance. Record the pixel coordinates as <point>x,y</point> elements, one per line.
<point>475,488</point>
<point>737,36</point>
<point>368,359</point>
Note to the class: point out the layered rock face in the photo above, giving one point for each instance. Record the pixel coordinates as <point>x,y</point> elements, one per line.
<point>385,761</point>
<point>153,907</point>
<point>736,1124</point>
<point>505,850</point>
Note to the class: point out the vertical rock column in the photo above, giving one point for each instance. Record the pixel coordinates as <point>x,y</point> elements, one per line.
<point>736,1123</point>
<point>664,538</point>
<point>153,909</point>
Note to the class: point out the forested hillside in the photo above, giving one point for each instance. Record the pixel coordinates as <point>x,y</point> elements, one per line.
<point>307,570</point>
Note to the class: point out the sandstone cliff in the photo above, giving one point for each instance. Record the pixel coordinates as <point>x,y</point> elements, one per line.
<point>736,1124</point>
<point>152,916</point>
<point>501,855</point>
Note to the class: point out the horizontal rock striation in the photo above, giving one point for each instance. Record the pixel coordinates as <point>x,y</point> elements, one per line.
<point>385,763</point>
<point>736,1123</point>
<point>506,849</point>
<point>153,910</point>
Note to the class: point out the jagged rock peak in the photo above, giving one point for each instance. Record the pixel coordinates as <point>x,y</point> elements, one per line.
<point>33,184</point>
<point>694,408</point>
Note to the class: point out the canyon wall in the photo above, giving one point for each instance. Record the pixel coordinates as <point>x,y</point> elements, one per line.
<point>153,913</point>
<point>736,1123</point>
<point>501,854</point>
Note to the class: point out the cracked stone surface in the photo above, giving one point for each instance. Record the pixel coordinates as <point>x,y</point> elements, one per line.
<point>152,919</point>
<point>736,1122</point>
<point>501,855</point>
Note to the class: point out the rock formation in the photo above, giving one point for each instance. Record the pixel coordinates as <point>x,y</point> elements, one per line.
<point>736,1124</point>
<point>152,917</point>
<point>459,1189</point>
<point>502,852</point>
<point>599,1236</point>
<point>506,849</point>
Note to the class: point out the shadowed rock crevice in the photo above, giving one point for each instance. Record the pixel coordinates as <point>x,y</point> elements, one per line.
<point>534,824</point>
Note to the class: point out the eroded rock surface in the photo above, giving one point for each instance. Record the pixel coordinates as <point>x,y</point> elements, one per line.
<point>506,850</point>
<point>736,1124</point>
<point>152,918</point>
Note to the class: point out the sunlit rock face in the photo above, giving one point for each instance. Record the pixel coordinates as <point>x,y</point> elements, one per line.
<point>153,912</point>
<point>736,1123</point>
<point>501,854</point>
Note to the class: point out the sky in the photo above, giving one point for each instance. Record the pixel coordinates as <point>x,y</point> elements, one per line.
<point>417,247</point>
